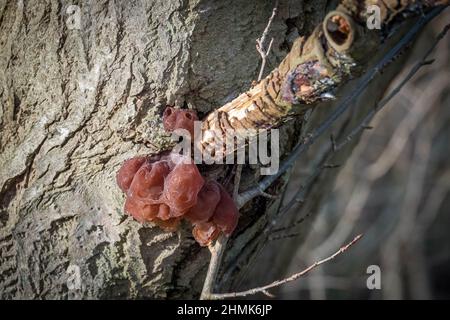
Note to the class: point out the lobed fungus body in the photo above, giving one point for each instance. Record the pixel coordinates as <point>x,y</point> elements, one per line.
<point>214,213</point>
<point>205,232</point>
<point>181,188</point>
<point>207,200</point>
<point>127,172</point>
<point>168,187</point>
<point>161,188</point>
<point>226,215</point>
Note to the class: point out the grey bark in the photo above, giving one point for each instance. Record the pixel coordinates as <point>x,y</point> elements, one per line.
<point>76,102</point>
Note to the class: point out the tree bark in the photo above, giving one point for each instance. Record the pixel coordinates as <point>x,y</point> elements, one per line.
<point>78,99</point>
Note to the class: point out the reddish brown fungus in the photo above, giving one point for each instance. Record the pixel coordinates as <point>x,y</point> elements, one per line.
<point>164,189</point>
<point>226,215</point>
<point>182,187</point>
<point>179,119</point>
<point>208,198</point>
<point>139,210</point>
<point>205,232</point>
<point>127,171</point>
<point>164,212</point>
<point>224,218</point>
<point>148,182</point>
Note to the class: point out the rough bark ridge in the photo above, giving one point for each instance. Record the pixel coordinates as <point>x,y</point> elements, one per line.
<point>76,101</point>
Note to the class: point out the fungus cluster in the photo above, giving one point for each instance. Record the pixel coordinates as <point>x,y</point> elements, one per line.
<point>179,119</point>
<point>168,187</point>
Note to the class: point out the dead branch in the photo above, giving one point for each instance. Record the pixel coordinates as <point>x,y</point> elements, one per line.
<point>260,43</point>
<point>259,189</point>
<point>303,146</point>
<point>365,122</point>
<point>337,50</point>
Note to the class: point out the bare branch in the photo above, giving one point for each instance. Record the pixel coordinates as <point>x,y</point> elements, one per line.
<point>258,190</point>
<point>293,225</point>
<point>269,196</point>
<point>284,236</point>
<point>237,180</point>
<point>269,23</point>
<point>364,123</point>
<point>342,107</point>
<point>214,264</point>
<point>219,247</point>
<point>264,55</point>
<point>267,293</point>
<point>298,200</point>
<point>286,280</point>
<point>260,43</point>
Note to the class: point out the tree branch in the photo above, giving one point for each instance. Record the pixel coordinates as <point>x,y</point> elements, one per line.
<point>303,146</point>
<point>365,122</point>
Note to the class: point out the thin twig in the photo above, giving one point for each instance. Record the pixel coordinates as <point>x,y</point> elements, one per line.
<point>293,225</point>
<point>365,122</point>
<point>214,264</point>
<point>267,293</point>
<point>237,180</point>
<point>219,247</point>
<point>284,236</point>
<point>217,250</point>
<point>286,280</point>
<point>269,196</point>
<point>260,43</point>
<point>298,200</point>
<point>248,195</point>
<point>269,23</point>
<point>264,55</point>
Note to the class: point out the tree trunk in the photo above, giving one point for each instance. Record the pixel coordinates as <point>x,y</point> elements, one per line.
<point>83,86</point>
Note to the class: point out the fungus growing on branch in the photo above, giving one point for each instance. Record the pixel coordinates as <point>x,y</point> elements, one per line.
<point>179,119</point>
<point>165,188</point>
